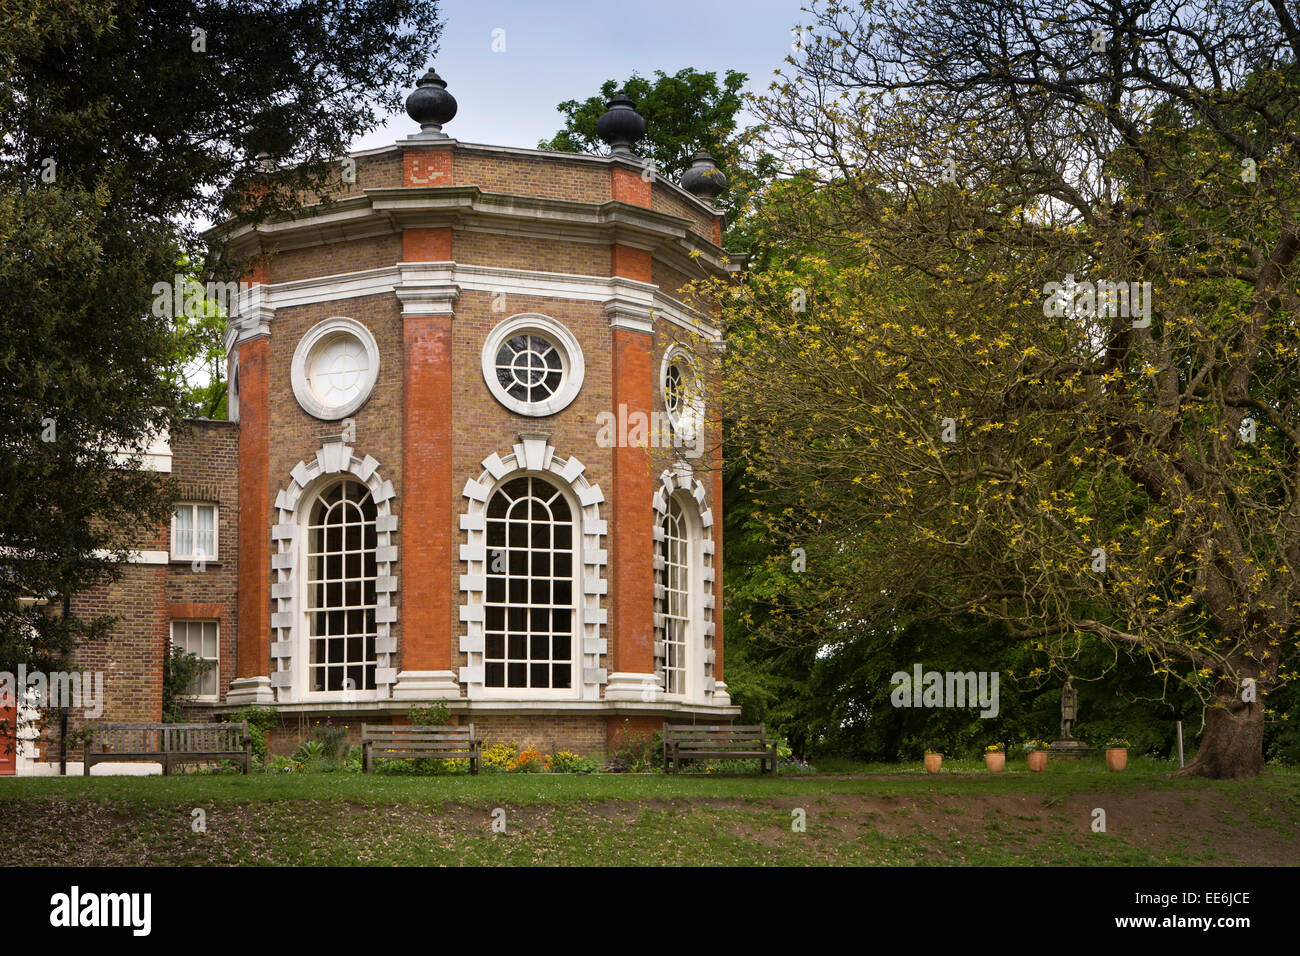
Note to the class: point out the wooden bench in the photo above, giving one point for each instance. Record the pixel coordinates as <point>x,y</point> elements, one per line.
<point>717,741</point>
<point>168,744</point>
<point>403,741</point>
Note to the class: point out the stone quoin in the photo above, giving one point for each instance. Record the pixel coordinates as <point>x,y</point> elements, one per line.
<point>413,499</point>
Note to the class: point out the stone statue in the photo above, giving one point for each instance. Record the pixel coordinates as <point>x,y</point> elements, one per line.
<point>1069,709</point>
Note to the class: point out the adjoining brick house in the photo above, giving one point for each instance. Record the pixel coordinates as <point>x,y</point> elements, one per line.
<point>418,496</point>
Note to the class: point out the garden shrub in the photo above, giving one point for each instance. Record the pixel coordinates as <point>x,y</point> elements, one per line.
<point>566,761</point>
<point>260,720</point>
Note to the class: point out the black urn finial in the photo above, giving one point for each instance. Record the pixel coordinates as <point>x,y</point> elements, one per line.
<point>704,178</point>
<point>620,125</point>
<point>431,105</point>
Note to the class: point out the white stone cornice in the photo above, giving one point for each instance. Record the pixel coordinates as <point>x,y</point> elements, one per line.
<point>430,294</point>
<point>633,313</point>
<point>384,211</point>
<point>251,316</point>
<point>430,284</point>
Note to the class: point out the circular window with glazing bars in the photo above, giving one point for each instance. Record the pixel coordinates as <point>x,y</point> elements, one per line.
<point>533,365</point>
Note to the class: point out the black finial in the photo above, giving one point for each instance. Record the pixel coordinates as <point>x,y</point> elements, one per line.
<point>704,178</point>
<point>431,105</point>
<point>620,125</point>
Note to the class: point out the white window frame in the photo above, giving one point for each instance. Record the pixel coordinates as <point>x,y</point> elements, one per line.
<point>299,374</point>
<point>176,553</point>
<point>693,644</point>
<point>574,690</point>
<point>688,419</point>
<point>535,455</point>
<point>303,669</point>
<point>564,342</point>
<point>692,494</point>
<point>215,670</point>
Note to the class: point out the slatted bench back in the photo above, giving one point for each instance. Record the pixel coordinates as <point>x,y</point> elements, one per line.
<point>705,738</point>
<point>127,739</point>
<point>204,738</point>
<point>169,738</point>
<point>413,738</point>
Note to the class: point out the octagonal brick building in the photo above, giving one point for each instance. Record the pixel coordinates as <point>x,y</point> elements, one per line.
<point>446,490</point>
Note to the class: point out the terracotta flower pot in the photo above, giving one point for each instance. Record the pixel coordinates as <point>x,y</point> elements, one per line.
<point>933,762</point>
<point>1037,760</point>
<point>1116,758</point>
<point>995,761</point>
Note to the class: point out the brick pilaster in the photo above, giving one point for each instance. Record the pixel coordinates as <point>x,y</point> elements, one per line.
<point>428,517</point>
<point>632,519</point>
<point>253,653</point>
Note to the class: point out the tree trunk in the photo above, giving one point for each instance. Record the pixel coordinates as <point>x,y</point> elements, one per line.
<point>1232,747</point>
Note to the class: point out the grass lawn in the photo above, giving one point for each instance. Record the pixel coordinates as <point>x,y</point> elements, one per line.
<point>866,815</point>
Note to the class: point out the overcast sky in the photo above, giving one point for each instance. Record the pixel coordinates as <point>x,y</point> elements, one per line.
<point>557,50</point>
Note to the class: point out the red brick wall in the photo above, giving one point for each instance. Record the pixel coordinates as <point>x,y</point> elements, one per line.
<point>131,657</point>
<point>426,245</point>
<point>296,436</point>
<point>517,252</point>
<point>551,177</point>
<point>427,166</point>
<point>629,187</point>
<point>205,468</point>
<point>665,199</point>
<point>334,258</point>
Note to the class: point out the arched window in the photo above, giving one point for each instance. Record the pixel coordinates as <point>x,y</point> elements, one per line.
<point>529,607</point>
<point>340,583</point>
<point>677,602</point>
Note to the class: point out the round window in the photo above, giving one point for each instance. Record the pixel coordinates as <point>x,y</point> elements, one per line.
<point>334,368</point>
<point>533,365</point>
<point>682,396</point>
<point>529,368</point>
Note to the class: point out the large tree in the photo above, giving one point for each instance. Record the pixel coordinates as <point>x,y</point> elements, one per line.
<point>1075,467</point>
<point>124,124</point>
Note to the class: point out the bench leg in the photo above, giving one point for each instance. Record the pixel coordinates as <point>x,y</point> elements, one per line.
<point>365,758</point>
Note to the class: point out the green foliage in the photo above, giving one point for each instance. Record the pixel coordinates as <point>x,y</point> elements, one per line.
<point>330,737</point>
<point>1282,731</point>
<point>107,171</point>
<point>639,753</point>
<point>566,761</point>
<point>197,365</point>
<point>81,380</point>
<point>282,764</point>
<point>434,715</point>
<point>260,720</point>
<point>685,112</point>
<point>309,750</point>
<point>422,767</point>
<point>835,699</point>
<point>944,438</point>
<point>180,670</point>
